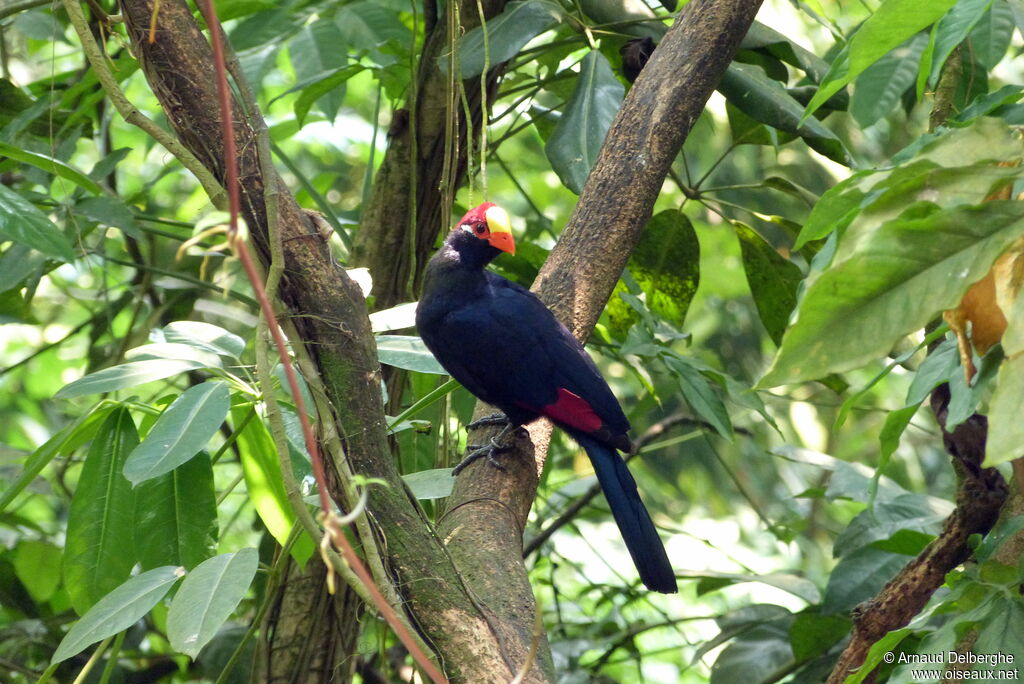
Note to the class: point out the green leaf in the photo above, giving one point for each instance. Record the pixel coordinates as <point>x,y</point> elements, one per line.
<point>507,33</point>
<point>886,518</point>
<point>891,24</point>
<point>110,211</point>
<point>207,598</point>
<point>990,38</point>
<point>887,644</point>
<point>264,482</point>
<point>180,432</point>
<point>1001,632</point>
<point>22,223</point>
<point>699,395</point>
<point>99,551</point>
<point>1005,427</point>
<point>576,141</point>
<point>792,584</point>
<point>176,516</point>
<point>812,634</point>
<point>857,577</point>
<point>952,30</point>
<point>773,280</point>
<point>368,24</point>
<point>51,165</point>
<point>117,611</point>
<point>396,318</point>
<point>430,484</point>
<point>877,91</point>
<point>37,565</point>
<point>173,351</point>
<point>321,86</point>
<point>205,336</point>
<point>764,99</point>
<point>408,352</point>
<point>666,267</point>
<point>759,649</point>
<point>889,283</point>
<point>124,376</point>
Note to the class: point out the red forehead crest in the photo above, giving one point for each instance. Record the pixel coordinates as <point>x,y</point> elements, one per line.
<point>477,214</point>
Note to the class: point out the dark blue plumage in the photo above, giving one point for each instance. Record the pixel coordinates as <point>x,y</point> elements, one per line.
<point>501,342</point>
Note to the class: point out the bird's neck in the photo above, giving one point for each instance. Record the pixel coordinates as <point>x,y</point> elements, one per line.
<point>455,273</point>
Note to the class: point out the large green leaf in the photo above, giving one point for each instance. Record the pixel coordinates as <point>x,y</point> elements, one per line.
<point>885,518</point>
<point>99,551</point>
<point>576,141</point>
<point>764,99</point>
<point>37,565</point>
<point>990,38</point>
<point>264,482</point>
<point>118,610</point>
<point>859,576</point>
<point>1006,429</point>
<point>507,33</point>
<point>773,280</point>
<point>666,266</point>
<point>952,168</point>
<point>205,336</point>
<point>207,598</point>
<point>890,282</point>
<point>51,165</point>
<point>22,223</point>
<point>180,432</point>
<point>124,376</point>
<point>408,352</point>
<point>878,89</point>
<point>699,394</point>
<point>368,24</point>
<point>890,25</point>
<point>176,516</point>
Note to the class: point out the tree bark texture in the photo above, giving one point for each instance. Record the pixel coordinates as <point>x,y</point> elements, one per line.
<point>393,243</point>
<point>312,635</point>
<point>330,314</point>
<point>487,510</point>
<point>979,498</point>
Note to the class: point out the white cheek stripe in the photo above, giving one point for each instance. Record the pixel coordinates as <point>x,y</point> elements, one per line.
<point>468,228</point>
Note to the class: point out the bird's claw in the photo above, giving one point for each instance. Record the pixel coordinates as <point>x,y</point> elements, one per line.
<point>479,451</point>
<point>497,418</point>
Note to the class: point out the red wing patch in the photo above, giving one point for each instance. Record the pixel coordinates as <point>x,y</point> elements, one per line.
<point>574,411</point>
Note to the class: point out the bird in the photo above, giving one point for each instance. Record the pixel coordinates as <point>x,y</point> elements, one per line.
<point>507,348</point>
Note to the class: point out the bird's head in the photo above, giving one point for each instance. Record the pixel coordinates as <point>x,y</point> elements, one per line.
<point>489,227</point>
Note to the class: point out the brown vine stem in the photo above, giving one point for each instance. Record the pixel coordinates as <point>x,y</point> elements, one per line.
<point>242,251</point>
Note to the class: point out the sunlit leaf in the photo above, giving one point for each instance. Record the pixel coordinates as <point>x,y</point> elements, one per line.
<point>892,23</point>
<point>891,283</point>
<point>207,598</point>
<point>118,610</point>
<point>124,376</point>
<point>408,352</point>
<point>180,432</point>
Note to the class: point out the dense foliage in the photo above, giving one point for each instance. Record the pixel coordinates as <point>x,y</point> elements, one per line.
<point>773,339</point>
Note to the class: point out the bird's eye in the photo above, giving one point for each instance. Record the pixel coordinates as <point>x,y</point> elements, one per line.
<point>479,229</point>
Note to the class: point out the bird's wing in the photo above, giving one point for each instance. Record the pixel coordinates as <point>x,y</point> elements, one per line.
<point>508,349</point>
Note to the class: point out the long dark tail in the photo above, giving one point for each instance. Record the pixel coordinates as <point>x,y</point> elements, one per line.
<point>634,522</point>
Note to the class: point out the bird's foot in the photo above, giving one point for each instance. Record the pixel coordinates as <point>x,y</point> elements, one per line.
<point>489,450</point>
<point>478,451</point>
<point>497,418</point>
